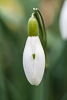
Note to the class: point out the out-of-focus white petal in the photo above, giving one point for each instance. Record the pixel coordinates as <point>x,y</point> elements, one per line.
<point>34,68</point>
<point>63,20</point>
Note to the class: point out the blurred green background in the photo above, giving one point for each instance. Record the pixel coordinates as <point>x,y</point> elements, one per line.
<point>14,15</point>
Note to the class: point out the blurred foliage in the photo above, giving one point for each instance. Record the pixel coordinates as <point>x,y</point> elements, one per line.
<point>14,15</point>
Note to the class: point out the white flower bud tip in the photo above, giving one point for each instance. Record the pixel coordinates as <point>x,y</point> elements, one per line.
<point>34,60</point>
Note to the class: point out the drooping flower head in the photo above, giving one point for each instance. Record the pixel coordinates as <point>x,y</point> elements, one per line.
<point>33,55</point>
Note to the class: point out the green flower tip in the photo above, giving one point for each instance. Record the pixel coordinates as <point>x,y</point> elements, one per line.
<point>33,56</point>
<point>32,26</point>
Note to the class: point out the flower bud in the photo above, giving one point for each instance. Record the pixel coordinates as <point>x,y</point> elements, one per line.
<point>34,60</point>
<point>33,55</point>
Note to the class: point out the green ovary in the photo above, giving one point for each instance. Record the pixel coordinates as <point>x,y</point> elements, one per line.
<point>32,27</point>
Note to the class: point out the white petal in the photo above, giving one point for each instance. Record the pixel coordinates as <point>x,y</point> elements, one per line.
<point>63,20</point>
<point>34,68</point>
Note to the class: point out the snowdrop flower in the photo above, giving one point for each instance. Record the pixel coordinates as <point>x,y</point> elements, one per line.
<point>63,20</point>
<point>33,55</point>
